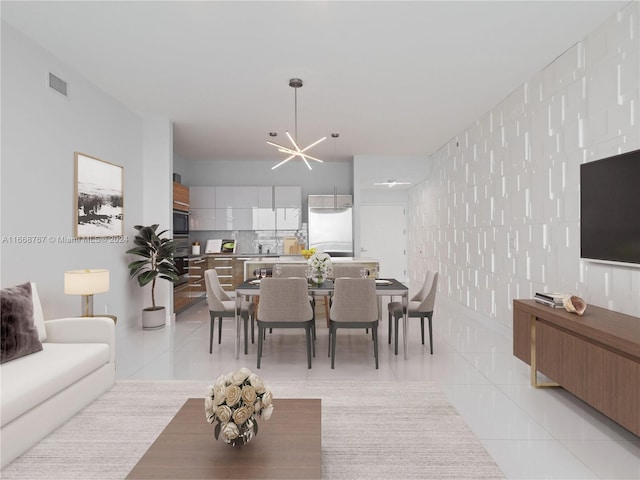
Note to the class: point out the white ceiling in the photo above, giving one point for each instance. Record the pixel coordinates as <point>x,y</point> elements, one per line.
<point>392,78</point>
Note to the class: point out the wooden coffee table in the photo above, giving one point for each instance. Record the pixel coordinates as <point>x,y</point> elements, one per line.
<point>287,446</point>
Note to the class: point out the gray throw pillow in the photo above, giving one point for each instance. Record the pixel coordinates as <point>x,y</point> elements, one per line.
<point>18,335</point>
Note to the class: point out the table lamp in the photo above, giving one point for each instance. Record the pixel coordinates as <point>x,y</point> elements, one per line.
<point>86,283</point>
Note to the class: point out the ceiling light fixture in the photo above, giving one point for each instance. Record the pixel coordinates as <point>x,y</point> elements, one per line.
<point>296,151</point>
<point>391,183</point>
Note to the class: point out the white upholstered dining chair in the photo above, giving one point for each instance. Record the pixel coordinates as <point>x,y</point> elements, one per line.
<point>222,306</point>
<point>421,305</point>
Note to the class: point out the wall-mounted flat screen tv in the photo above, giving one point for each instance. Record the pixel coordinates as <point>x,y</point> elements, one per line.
<point>610,209</point>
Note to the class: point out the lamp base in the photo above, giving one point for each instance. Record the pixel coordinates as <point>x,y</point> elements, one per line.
<point>87,305</point>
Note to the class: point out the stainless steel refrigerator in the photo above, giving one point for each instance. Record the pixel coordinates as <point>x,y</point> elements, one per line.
<point>331,224</point>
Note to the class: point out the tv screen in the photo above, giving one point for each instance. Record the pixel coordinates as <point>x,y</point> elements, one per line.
<point>610,209</point>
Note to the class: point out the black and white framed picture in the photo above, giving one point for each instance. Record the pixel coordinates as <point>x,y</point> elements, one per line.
<point>98,197</point>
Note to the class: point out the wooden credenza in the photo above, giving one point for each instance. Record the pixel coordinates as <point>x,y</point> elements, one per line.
<point>596,357</point>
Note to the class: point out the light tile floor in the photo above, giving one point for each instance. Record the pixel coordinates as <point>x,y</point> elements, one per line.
<point>531,434</point>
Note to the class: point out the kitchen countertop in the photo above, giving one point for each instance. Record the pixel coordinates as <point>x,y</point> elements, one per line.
<point>301,259</point>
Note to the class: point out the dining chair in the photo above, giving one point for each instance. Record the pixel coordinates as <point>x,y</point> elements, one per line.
<point>420,306</point>
<point>349,271</point>
<point>289,270</point>
<point>221,305</point>
<point>284,303</point>
<point>354,305</point>
<point>296,271</point>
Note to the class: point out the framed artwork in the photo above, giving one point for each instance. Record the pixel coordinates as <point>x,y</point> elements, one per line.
<point>98,198</point>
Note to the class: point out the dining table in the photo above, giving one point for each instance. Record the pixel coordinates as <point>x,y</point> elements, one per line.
<point>384,287</point>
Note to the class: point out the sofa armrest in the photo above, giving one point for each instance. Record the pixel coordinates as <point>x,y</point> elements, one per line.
<point>83,330</point>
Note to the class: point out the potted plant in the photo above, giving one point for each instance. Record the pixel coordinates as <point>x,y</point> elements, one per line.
<point>157,262</point>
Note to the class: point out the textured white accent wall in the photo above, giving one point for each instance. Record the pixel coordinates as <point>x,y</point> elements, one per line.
<point>498,216</point>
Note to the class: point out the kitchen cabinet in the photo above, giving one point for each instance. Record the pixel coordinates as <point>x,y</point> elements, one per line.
<point>279,208</point>
<point>236,197</point>
<point>246,208</point>
<point>203,197</point>
<point>234,218</point>
<point>180,197</point>
<point>197,266</point>
<point>230,270</point>
<point>224,267</point>
<point>193,290</point>
<point>202,219</point>
<point>288,205</point>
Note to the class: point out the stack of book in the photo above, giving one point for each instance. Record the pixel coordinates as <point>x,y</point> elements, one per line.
<point>550,299</point>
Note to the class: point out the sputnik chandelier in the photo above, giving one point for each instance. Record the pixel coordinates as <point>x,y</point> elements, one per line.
<point>296,151</point>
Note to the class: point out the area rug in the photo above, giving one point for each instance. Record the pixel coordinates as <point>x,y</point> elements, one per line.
<point>370,430</point>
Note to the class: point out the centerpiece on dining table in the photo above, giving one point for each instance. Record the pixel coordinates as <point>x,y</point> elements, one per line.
<point>234,403</point>
<point>320,267</point>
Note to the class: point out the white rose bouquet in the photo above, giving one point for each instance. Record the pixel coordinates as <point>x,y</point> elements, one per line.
<point>320,264</point>
<point>235,402</point>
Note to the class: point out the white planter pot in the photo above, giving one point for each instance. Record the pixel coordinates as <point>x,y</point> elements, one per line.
<point>153,319</point>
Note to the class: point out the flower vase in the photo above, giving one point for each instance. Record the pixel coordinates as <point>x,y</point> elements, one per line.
<point>318,278</point>
<point>245,432</point>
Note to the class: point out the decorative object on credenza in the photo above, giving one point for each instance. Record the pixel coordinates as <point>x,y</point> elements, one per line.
<point>574,304</point>
<point>320,265</point>
<point>86,282</point>
<point>98,198</point>
<point>234,404</point>
<point>157,262</point>
<point>554,300</point>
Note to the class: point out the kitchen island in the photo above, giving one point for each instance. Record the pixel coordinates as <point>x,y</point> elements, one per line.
<point>268,262</point>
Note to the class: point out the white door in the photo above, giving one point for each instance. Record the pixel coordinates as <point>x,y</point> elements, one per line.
<point>382,236</point>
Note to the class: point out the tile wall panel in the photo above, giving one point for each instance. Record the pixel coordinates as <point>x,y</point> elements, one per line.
<point>499,214</point>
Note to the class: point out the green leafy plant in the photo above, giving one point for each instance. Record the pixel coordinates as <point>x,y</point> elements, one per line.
<point>157,262</point>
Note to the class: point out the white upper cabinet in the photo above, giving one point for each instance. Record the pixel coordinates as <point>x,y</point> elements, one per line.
<point>236,197</point>
<point>202,219</point>
<point>246,208</point>
<point>288,203</point>
<point>202,197</point>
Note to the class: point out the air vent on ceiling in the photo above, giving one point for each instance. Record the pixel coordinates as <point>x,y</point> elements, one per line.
<point>57,84</point>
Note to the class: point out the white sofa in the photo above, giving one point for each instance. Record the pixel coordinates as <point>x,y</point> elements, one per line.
<point>40,391</point>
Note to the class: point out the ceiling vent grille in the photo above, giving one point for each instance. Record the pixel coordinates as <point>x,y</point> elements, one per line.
<point>57,84</point>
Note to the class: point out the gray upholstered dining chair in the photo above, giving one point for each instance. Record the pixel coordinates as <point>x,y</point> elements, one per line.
<point>420,306</point>
<point>290,270</point>
<point>296,271</point>
<point>221,305</point>
<point>284,303</point>
<point>342,270</point>
<point>354,305</point>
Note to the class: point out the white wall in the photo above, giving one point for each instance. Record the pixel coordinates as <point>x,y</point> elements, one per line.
<point>499,214</point>
<point>41,130</point>
<point>157,199</point>
<point>368,169</point>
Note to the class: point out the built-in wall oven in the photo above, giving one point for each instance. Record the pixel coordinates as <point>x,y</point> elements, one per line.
<point>180,223</point>
<point>181,258</point>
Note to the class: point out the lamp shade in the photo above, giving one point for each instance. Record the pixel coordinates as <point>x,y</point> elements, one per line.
<point>86,282</point>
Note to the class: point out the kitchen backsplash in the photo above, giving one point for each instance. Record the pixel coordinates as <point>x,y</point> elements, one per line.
<point>248,241</point>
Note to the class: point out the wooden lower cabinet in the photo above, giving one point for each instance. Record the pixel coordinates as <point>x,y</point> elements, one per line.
<point>224,268</point>
<point>596,357</point>
<point>187,294</point>
<point>181,297</point>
